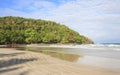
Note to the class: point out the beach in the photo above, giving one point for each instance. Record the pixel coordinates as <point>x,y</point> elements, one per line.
<point>32,63</point>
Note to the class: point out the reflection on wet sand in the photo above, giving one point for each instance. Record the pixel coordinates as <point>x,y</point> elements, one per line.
<point>63,56</point>
<point>49,51</point>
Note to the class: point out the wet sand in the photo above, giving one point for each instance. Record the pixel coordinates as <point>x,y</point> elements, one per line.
<point>102,62</point>
<point>14,62</point>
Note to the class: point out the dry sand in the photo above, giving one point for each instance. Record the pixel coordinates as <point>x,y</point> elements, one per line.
<point>14,62</point>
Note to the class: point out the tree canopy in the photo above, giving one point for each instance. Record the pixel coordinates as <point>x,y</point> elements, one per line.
<point>23,31</point>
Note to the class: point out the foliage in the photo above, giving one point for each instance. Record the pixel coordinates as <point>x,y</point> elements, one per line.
<point>20,30</point>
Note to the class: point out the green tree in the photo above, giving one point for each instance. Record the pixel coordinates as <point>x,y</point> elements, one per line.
<point>30,36</point>
<point>2,37</point>
<point>21,30</point>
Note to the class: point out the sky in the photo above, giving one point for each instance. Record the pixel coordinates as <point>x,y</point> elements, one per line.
<point>96,19</point>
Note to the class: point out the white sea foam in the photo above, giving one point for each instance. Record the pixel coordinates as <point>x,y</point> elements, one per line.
<point>100,47</point>
<point>83,46</point>
<point>100,55</point>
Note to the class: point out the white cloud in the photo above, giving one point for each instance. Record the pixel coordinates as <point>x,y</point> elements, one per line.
<point>12,12</point>
<point>42,5</point>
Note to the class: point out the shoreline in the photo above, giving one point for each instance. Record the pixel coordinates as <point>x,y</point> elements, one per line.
<point>82,46</point>
<point>32,63</point>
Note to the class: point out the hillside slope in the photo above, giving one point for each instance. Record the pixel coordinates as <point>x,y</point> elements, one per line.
<point>21,30</point>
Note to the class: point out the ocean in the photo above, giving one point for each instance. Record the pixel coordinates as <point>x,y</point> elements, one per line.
<point>100,50</point>
<point>98,55</point>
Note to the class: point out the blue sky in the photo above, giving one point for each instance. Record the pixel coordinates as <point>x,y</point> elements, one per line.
<point>97,19</point>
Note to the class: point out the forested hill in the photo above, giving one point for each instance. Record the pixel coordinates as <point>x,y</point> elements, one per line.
<point>18,30</point>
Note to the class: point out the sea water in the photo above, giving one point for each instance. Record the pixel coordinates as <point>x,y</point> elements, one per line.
<point>99,50</point>
<point>98,55</point>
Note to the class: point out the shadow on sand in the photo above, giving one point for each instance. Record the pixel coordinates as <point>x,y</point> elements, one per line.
<point>15,61</point>
<point>11,54</point>
<point>13,69</point>
<point>5,65</point>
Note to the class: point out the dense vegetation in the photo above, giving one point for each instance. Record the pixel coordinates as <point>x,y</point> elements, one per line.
<point>18,30</point>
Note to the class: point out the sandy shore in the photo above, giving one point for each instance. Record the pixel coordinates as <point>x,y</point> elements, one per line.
<point>14,62</point>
